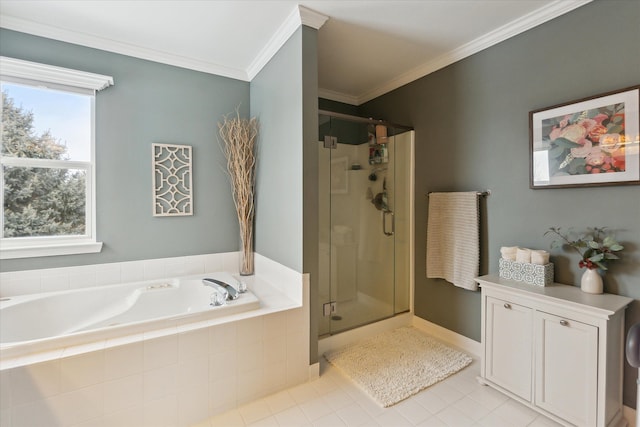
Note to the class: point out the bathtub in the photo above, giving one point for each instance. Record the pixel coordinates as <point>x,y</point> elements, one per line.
<point>151,351</point>
<point>59,319</point>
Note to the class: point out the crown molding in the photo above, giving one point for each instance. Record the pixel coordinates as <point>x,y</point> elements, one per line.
<point>518,26</point>
<point>338,96</point>
<point>311,18</point>
<point>300,15</point>
<point>82,39</point>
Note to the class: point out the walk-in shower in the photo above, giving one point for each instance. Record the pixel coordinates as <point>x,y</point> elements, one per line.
<point>365,179</point>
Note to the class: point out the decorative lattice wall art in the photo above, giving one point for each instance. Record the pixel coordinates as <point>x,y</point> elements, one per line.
<point>172,180</point>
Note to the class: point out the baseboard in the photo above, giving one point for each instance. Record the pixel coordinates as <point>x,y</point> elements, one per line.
<point>629,414</point>
<point>448,336</point>
<point>314,371</point>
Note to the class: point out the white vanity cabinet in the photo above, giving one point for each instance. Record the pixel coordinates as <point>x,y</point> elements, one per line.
<point>555,348</point>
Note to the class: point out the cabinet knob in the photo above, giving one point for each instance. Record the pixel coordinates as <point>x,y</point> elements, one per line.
<point>564,322</point>
<point>507,306</point>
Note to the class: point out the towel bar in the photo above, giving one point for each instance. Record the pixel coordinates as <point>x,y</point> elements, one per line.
<point>485,193</point>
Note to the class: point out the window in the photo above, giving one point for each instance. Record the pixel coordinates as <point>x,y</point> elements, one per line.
<point>47,158</point>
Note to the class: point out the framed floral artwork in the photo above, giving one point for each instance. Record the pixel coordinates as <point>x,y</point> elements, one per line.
<point>588,142</point>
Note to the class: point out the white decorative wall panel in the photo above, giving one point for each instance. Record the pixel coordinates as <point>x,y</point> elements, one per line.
<point>172,180</point>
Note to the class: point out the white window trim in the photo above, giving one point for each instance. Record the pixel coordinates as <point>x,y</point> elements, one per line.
<point>17,70</point>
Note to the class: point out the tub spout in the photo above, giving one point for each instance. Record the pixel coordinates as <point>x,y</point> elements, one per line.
<point>223,287</point>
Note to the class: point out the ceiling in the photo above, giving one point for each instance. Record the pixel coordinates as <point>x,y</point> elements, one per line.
<point>365,48</point>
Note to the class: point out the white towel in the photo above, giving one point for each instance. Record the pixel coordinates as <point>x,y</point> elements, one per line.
<point>539,257</point>
<point>523,255</point>
<point>453,238</point>
<point>508,252</point>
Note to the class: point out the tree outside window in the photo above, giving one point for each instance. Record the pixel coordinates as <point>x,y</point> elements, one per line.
<point>47,198</point>
<point>40,201</point>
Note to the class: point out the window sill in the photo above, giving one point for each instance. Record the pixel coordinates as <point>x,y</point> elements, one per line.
<point>14,252</point>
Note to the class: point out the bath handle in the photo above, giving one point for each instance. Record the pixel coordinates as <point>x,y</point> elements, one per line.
<point>384,223</point>
<point>232,293</point>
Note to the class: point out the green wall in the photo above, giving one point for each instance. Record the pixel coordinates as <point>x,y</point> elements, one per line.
<point>471,122</point>
<point>149,103</point>
<point>276,100</point>
<point>284,97</point>
<point>310,187</point>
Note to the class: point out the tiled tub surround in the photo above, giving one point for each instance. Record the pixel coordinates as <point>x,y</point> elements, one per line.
<point>177,375</point>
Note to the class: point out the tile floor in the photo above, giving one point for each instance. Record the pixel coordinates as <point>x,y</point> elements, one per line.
<point>334,401</point>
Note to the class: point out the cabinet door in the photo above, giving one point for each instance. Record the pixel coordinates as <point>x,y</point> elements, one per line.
<point>567,368</point>
<point>508,349</point>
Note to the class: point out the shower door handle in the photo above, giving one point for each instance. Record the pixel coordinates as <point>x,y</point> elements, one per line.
<point>384,223</point>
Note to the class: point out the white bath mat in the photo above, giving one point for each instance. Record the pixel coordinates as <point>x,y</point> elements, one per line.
<point>397,364</point>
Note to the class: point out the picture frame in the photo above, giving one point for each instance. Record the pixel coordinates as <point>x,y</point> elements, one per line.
<point>339,175</point>
<point>592,141</point>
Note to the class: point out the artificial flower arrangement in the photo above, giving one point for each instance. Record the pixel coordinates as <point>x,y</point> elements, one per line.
<point>596,247</point>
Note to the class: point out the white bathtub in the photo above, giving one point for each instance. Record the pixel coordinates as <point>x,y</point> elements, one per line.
<point>174,368</point>
<point>58,319</point>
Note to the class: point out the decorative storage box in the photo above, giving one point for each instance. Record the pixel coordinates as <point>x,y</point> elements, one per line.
<point>531,274</point>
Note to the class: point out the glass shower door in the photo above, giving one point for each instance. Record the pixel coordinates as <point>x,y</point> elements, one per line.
<point>364,207</point>
<point>362,236</point>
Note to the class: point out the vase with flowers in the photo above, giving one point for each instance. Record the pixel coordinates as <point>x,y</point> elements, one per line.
<point>596,249</point>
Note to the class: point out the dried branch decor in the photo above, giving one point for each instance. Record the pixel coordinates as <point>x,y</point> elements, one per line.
<point>239,136</point>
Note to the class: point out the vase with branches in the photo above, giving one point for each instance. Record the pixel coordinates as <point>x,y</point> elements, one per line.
<point>239,138</point>
<point>596,249</point>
